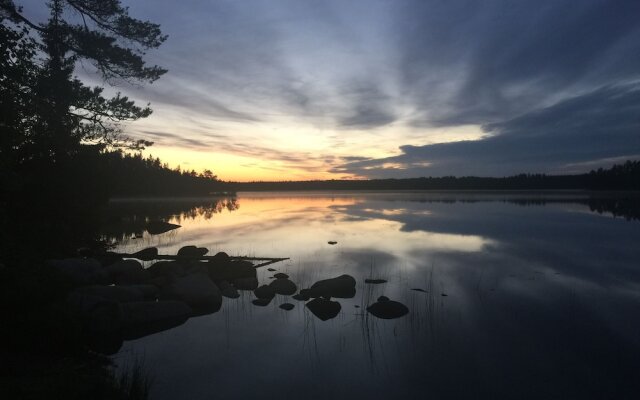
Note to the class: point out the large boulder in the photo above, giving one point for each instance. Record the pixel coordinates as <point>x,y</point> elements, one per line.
<point>118,294</point>
<point>192,251</point>
<point>197,290</point>
<point>220,258</point>
<point>387,309</point>
<point>97,315</point>
<point>81,271</point>
<point>148,291</point>
<point>127,272</point>
<point>343,286</point>
<point>323,308</point>
<point>283,286</point>
<point>170,269</point>
<point>146,317</point>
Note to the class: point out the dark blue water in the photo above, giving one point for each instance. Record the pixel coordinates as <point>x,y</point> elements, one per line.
<point>522,297</point>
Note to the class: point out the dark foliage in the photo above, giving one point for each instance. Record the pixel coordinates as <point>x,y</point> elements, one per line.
<point>134,175</point>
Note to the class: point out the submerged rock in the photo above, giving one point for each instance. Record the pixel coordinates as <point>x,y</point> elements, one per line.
<point>158,227</point>
<point>283,286</point>
<point>287,306</point>
<point>387,309</point>
<point>375,281</point>
<point>323,308</point>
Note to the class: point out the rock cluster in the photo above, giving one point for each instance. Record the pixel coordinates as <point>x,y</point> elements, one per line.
<point>118,299</point>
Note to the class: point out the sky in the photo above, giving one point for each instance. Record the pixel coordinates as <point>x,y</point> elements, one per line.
<point>309,89</point>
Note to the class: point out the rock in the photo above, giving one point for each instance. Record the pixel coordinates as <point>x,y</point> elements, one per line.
<point>444,295</point>
<point>375,281</point>
<point>81,271</point>
<point>84,252</point>
<point>146,317</point>
<point>197,290</point>
<point>97,315</point>
<point>120,294</point>
<point>170,269</point>
<point>387,309</point>
<point>192,251</point>
<point>231,270</point>
<point>323,308</point>
<point>193,267</point>
<point>228,290</point>
<point>264,292</point>
<point>283,286</point>
<point>383,298</point>
<point>332,242</point>
<point>419,290</point>
<point>127,272</point>
<point>343,286</point>
<point>159,281</point>
<point>261,302</point>
<point>287,306</point>
<point>280,275</point>
<point>107,258</point>
<point>220,258</point>
<point>158,227</point>
<point>302,296</point>
<point>271,269</point>
<point>245,283</point>
<point>148,254</point>
<point>149,292</point>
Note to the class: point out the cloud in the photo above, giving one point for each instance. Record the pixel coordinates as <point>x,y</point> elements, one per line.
<point>468,62</point>
<point>550,81</point>
<point>600,124</point>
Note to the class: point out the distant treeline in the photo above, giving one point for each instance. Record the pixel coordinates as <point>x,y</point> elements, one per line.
<point>135,175</point>
<point>619,177</point>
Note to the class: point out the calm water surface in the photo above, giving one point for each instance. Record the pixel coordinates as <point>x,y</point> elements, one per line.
<point>524,297</point>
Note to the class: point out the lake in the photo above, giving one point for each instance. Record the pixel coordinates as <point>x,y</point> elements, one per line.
<point>521,295</point>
